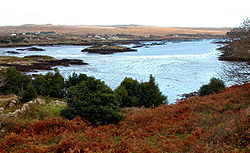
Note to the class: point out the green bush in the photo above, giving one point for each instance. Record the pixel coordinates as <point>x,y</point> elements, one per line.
<point>13,81</point>
<point>130,92</point>
<point>135,94</point>
<point>75,79</point>
<point>51,84</point>
<point>30,93</point>
<point>94,101</point>
<point>214,86</point>
<point>151,95</point>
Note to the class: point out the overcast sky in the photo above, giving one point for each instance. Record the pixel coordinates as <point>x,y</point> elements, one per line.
<point>168,13</point>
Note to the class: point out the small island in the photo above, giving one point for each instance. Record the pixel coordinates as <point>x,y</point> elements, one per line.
<point>13,52</point>
<point>31,49</point>
<point>108,49</point>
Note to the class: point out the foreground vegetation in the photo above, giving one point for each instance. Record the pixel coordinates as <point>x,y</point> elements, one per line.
<point>213,123</point>
<point>86,96</point>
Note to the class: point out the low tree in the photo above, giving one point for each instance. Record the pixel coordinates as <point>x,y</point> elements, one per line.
<point>235,73</point>
<point>237,50</point>
<point>135,94</point>
<point>75,79</point>
<point>214,86</point>
<point>130,93</point>
<point>30,93</point>
<point>40,85</point>
<point>51,84</point>
<point>151,95</point>
<point>238,46</point>
<point>13,81</point>
<point>240,32</point>
<point>94,101</point>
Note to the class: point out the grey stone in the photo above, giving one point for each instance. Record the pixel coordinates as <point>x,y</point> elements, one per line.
<point>17,113</point>
<point>1,109</point>
<point>13,101</point>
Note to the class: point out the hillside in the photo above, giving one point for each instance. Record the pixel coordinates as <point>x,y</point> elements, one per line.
<point>113,30</point>
<point>30,35</point>
<point>214,123</point>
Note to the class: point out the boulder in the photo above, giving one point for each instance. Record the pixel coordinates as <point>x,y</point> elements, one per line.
<point>1,110</point>
<point>38,101</point>
<point>12,103</point>
<point>25,107</point>
<point>17,113</point>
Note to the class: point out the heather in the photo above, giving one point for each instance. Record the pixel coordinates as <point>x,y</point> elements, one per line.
<point>213,123</point>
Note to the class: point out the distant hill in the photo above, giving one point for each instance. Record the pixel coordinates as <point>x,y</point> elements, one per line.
<point>136,30</point>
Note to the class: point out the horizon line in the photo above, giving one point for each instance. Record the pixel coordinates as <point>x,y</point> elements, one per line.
<point>116,25</point>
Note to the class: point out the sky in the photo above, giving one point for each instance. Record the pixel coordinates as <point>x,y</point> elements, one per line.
<point>166,13</point>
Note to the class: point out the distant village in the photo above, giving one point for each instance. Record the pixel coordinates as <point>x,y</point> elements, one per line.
<point>54,34</point>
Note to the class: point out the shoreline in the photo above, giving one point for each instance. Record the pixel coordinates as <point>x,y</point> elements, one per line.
<point>228,54</point>
<point>96,43</point>
<point>34,63</point>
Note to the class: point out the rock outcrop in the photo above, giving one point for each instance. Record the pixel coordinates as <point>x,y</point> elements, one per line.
<point>44,65</point>
<point>31,49</point>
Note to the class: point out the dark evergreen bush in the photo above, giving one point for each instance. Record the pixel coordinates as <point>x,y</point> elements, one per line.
<point>135,94</point>
<point>94,101</point>
<point>130,92</point>
<point>13,81</point>
<point>30,93</point>
<point>214,86</point>
<point>151,95</point>
<point>51,84</point>
<point>75,79</point>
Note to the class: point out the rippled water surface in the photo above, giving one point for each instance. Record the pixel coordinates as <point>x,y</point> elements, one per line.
<point>178,67</point>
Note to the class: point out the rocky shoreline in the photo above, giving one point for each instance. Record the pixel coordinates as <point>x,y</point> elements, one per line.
<point>228,54</point>
<point>41,64</point>
<point>97,43</point>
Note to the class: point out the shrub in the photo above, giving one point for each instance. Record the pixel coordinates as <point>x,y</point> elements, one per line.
<point>51,84</point>
<point>13,81</point>
<point>130,92</point>
<point>30,93</point>
<point>137,94</point>
<point>214,86</point>
<point>151,95</point>
<point>75,80</point>
<point>40,84</point>
<point>94,101</point>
